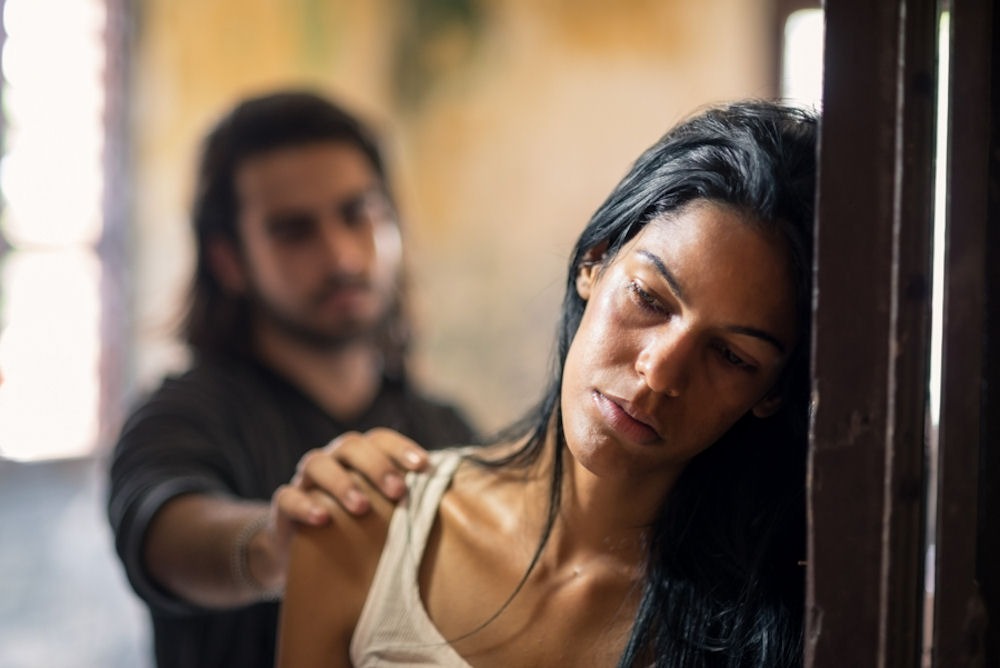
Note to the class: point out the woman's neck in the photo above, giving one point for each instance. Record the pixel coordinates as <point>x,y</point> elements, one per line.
<point>599,518</point>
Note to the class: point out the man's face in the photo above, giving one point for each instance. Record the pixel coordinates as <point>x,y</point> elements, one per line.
<point>321,250</point>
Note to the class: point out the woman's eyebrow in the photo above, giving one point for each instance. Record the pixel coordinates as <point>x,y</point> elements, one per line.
<point>675,285</point>
<point>760,334</point>
<point>668,276</point>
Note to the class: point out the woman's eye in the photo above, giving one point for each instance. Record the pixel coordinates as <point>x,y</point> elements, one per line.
<point>732,358</point>
<point>644,298</point>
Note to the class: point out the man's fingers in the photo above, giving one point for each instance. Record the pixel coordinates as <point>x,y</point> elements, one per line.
<point>325,474</point>
<point>336,484</point>
<point>294,504</point>
<point>355,448</point>
<point>382,456</point>
<point>403,450</point>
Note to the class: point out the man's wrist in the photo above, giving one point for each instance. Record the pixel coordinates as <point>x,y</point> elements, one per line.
<point>248,550</point>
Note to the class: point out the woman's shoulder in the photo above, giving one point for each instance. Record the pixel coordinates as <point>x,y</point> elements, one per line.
<point>347,541</point>
<point>358,540</point>
<point>345,552</point>
<point>330,569</point>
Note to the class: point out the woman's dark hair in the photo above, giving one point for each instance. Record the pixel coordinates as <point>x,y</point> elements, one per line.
<point>724,579</point>
<point>217,322</point>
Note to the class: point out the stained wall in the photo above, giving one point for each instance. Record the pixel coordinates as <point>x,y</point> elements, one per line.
<point>506,121</point>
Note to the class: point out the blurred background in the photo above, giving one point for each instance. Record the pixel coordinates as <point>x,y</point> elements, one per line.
<point>506,123</point>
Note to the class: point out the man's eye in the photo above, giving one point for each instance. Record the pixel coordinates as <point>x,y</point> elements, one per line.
<point>354,212</point>
<point>291,229</point>
<point>370,207</point>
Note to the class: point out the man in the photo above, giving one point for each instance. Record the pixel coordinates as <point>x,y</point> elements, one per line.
<point>299,334</point>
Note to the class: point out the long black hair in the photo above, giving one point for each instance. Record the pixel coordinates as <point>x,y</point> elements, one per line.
<point>724,581</point>
<point>215,321</point>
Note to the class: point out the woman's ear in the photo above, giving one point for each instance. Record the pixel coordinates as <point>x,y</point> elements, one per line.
<point>227,266</point>
<point>588,270</point>
<point>767,406</point>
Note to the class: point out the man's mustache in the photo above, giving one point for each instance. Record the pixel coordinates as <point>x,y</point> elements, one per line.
<point>338,282</point>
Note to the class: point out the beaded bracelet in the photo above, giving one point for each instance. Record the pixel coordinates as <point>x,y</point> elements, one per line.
<point>238,560</point>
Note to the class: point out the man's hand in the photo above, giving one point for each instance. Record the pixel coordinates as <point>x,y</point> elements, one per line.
<point>324,477</point>
<point>382,456</point>
<point>218,552</point>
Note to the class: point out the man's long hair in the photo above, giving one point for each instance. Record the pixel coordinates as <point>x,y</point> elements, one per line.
<point>217,323</point>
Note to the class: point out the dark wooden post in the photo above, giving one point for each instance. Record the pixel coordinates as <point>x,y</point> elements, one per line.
<point>870,347</point>
<point>968,523</point>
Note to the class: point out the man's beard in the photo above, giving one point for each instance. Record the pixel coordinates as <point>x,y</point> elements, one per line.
<point>346,333</point>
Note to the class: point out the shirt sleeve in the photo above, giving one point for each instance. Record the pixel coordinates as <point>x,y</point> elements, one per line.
<point>172,444</point>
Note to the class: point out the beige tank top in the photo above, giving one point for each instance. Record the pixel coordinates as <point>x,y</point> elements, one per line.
<point>394,628</point>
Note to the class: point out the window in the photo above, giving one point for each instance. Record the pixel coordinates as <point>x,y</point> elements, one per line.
<point>51,228</point>
<point>802,58</point>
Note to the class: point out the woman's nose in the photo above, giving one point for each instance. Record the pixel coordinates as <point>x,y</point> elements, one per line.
<point>666,359</point>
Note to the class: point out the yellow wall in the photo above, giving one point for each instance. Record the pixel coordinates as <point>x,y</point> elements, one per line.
<point>506,127</point>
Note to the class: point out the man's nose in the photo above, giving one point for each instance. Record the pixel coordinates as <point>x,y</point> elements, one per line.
<point>347,248</point>
<point>666,359</point>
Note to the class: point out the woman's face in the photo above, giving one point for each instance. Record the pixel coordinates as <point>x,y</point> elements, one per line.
<point>685,330</point>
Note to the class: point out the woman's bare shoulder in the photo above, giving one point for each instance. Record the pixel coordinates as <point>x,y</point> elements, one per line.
<point>330,570</point>
<point>348,544</point>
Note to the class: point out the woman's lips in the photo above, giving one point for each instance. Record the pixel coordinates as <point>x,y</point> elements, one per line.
<point>623,423</point>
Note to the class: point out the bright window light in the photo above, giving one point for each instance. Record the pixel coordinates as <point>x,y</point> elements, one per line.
<point>51,185</point>
<point>802,59</point>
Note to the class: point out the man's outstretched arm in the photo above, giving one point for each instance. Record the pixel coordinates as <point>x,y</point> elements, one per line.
<point>219,552</point>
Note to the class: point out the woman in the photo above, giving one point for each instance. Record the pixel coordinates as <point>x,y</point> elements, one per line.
<point>651,510</point>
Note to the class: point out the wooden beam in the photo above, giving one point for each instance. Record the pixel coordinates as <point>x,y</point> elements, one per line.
<point>960,614</point>
<point>870,346</point>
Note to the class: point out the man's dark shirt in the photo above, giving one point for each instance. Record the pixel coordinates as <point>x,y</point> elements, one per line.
<point>238,429</point>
